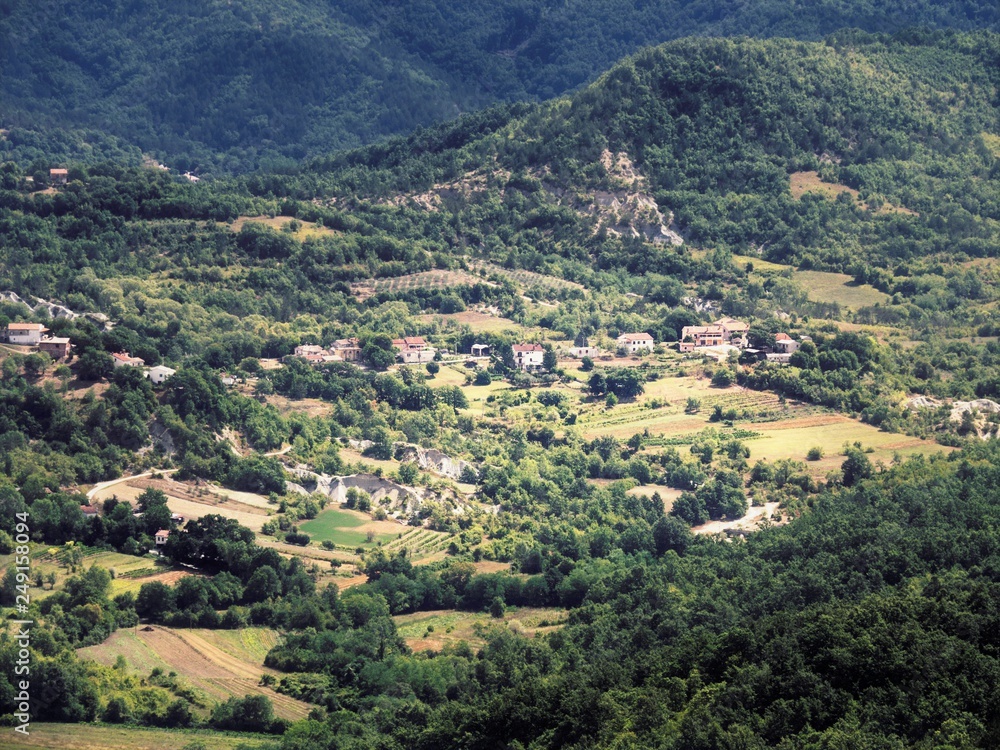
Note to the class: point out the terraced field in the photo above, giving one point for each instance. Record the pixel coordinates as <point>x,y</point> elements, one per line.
<point>221,666</point>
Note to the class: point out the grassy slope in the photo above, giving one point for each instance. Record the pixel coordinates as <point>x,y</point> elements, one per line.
<point>102,737</point>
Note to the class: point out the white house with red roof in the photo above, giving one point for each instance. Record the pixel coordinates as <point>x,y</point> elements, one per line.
<point>634,343</point>
<point>124,359</point>
<point>413,349</point>
<point>161,537</point>
<point>528,357</point>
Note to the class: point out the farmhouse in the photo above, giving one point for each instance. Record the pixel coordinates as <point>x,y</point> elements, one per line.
<point>723,331</point>
<point>305,350</point>
<point>348,350</point>
<point>694,337</point>
<point>413,349</point>
<point>25,334</point>
<point>124,359</point>
<point>161,537</point>
<point>635,342</point>
<point>56,347</point>
<point>735,331</point>
<point>528,357</point>
<point>58,176</point>
<point>160,373</point>
<point>785,344</point>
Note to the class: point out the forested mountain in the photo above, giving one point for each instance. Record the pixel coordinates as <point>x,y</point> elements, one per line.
<point>666,194</point>
<point>230,86</point>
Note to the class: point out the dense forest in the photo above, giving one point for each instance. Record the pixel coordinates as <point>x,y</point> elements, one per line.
<point>227,87</point>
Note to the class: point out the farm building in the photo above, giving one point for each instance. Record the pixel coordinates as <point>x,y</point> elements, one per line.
<point>634,343</point>
<point>58,176</point>
<point>528,357</point>
<point>25,334</point>
<point>124,359</point>
<point>480,350</point>
<point>161,537</point>
<point>57,347</point>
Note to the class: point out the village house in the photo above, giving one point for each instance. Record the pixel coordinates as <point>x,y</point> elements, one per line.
<point>724,331</point>
<point>635,342</point>
<point>413,349</point>
<point>785,344</point>
<point>161,537</point>
<point>58,176</point>
<point>124,359</point>
<point>160,374</point>
<point>528,357</point>
<point>579,352</point>
<point>347,350</point>
<point>735,331</point>
<point>25,334</point>
<point>57,347</point>
<point>695,337</point>
<point>89,511</point>
<point>306,350</point>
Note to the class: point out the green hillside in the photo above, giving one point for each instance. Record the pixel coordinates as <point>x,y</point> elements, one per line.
<point>655,549</point>
<point>225,86</point>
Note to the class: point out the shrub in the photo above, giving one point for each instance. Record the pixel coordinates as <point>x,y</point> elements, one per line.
<point>815,454</point>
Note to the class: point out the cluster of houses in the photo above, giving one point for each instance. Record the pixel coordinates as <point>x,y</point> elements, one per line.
<point>156,375</point>
<point>33,334</point>
<point>723,331</point>
<point>731,332</point>
<point>341,350</point>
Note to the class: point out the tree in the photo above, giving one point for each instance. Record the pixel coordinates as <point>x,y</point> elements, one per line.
<point>378,351</point>
<point>856,467</point>
<point>264,584</point>
<point>95,365</point>
<point>154,601</point>
<point>549,359</point>
<point>586,364</point>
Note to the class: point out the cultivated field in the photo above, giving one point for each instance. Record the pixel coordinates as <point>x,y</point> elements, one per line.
<point>424,280</point>
<point>220,665</point>
<point>130,572</point>
<point>350,529</point>
<point>425,631</point>
<point>46,736</point>
<point>528,279</point>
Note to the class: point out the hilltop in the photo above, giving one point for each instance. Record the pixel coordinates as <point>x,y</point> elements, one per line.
<point>224,87</point>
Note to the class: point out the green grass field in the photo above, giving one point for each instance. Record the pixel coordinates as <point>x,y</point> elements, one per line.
<point>45,736</point>
<point>838,288</point>
<point>340,527</point>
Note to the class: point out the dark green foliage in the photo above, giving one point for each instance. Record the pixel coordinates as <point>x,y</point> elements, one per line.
<point>222,87</point>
